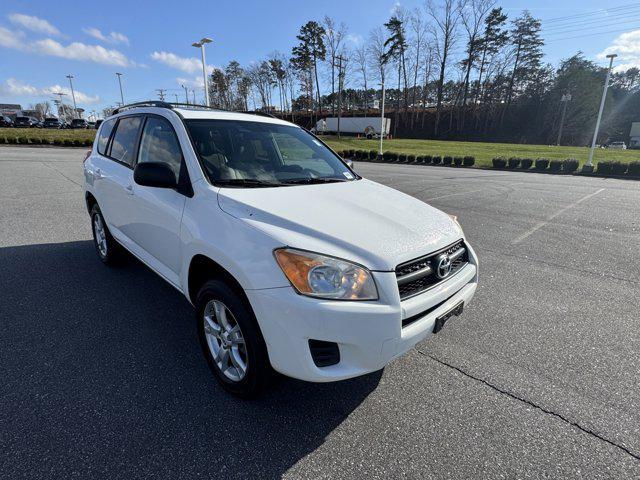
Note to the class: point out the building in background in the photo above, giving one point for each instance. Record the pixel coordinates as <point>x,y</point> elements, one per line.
<point>10,109</point>
<point>634,135</point>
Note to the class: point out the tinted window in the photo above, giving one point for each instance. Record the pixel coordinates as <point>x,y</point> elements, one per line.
<point>266,152</point>
<point>103,136</point>
<point>160,144</point>
<point>124,140</point>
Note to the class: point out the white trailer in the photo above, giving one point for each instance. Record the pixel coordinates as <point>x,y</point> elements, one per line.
<point>366,126</point>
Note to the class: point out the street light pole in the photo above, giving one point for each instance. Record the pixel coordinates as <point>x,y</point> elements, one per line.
<point>201,45</point>
<point>73,96</point>
<point>381,123</point>
<point>120,83</point>
<point>566,98</point>
<point>186,94</point>
<point>588,167</point>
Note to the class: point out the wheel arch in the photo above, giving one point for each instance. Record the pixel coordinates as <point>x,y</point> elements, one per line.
<point>203,268</point>
<point>90,200</point>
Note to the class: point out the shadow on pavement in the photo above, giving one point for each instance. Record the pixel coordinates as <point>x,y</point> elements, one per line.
<point>102,376</point>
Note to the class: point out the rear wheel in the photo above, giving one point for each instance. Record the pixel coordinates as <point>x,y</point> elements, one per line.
<point>109,251</point>
<point>231,340</point>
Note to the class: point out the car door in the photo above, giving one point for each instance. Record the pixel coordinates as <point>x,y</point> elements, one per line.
<point>156,213</point>
<point>113,175</point>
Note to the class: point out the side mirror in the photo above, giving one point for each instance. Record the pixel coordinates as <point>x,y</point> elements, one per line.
<point>349,163</point>
<point>154,174</point>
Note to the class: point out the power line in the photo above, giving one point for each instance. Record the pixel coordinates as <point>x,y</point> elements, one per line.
<point>596,12</point>
<point>613,20</point>
<point>593,34</point>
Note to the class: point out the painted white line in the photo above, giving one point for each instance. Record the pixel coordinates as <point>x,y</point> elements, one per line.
<point>539,225</point>
<point>452,194</point>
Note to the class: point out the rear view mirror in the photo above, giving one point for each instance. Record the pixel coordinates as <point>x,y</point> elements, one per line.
<point>154,174</point>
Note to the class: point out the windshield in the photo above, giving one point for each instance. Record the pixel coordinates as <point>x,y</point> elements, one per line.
<point>249,154</point>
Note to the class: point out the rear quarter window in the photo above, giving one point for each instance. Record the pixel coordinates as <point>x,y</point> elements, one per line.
<point>103,136</point>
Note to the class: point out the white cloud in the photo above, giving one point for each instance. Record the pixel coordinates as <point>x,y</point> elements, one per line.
<point>113,37</point>
<point>34,24</point>
<point>627,46</point>
<point>188,65</point>
<point>11,39</point>
<point>16,88</point>
<point>81,52</point>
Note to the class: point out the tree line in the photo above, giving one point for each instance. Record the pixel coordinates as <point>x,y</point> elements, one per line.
<point>458,69</point>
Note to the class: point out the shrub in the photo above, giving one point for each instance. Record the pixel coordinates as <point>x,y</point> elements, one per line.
<point>570,165</point>
<point>67,142</point>
<point>23,140</point>
<point>427,159</point>
<point>393,157</point>
<point>447,160</point>
<point>468,161</point>
<point>542,163</point>
<point>634,169</point>
<point>373,154</point>
<point>352,153</point>
<point>3,140</point>
<point>11,140</point>
<point>363,154</point>
<point>420,159</point>
<point>619,168</point>
<point>457,161</point>
<point>411,158</point>
<point>499,162</point>
<point>402,158</point>
<point>555,165</point>
<point>513,162</point>
<point>386,156</point>
<point>436,160</point>
<point>57,141</point>
<point>526,163</point>
<point>605,167</point>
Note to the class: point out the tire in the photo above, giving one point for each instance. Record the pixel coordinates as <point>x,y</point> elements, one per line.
<point>215,332</point>
<point>109,251</point>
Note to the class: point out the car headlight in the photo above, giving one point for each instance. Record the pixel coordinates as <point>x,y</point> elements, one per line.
<point>321,276</point>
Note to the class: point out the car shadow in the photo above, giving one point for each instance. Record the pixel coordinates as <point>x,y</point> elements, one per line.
<point>102,376</point>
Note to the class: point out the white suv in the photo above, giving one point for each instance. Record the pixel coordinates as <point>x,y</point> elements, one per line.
<point>291,259</point>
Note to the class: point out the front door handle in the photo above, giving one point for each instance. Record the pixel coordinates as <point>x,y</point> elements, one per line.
<point>129,189</point>
<point>98,174</point>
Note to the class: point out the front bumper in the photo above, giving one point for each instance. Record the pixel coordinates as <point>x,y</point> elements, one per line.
<point>369,334</point>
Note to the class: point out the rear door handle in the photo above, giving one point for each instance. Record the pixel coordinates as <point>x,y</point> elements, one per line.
<point>129,189</point>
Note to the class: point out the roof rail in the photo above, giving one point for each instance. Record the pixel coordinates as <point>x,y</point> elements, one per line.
<point>256,112</point>
<point>161,104</point>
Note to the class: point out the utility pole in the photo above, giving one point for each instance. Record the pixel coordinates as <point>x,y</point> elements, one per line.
<point>60,103</point>
<point>341,70</point>
<point>194,95</point>
<point>566,98</point>
<point>73,96</point>
<point>186,95</point>
<point>381,122</point>
<point>201,45</point>
<point>161,93</point>
<point>588,167</point>
<point>120,83</point>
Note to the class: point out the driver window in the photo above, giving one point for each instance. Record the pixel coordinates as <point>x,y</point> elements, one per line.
<point>160,144</point>
<point>124,140</point>
<point>298,155</point>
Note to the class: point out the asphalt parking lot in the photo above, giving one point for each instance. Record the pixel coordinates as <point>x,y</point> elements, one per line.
<point>102,376</point>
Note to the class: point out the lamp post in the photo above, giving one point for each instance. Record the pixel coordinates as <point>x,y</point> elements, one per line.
<point>381,122</point>
<point>201,45</point>
<point>566,98</point>
<point>120,83</point>
<point>73,96</point>
<point>588,167</point>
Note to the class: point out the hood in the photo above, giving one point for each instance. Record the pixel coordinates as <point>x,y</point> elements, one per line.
<point>361,221</point>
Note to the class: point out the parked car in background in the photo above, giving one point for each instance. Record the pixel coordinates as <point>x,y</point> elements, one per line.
<point>27,122</point>
<point>91,125</point>
<point>5,121</point>
<point>98,123</point>
<point>79,123</point>
<point>52,122</point>
<point>252,219</point>
<point>617,146</point>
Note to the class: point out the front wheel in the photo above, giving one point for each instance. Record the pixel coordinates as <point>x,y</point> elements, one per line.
<point>231,340</point>
<point>109,251</point>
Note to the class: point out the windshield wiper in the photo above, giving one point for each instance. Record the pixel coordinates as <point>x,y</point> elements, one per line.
<point>297,181</point>
<point>247,182</point>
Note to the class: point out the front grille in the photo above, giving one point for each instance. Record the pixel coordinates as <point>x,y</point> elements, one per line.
<point>421,274</point>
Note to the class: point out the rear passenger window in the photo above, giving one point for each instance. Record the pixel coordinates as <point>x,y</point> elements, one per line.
<point>124,141</point>
<point>103,136</point>
<point>160,144</point>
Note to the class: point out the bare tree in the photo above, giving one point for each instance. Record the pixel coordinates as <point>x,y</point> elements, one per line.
<point>418,43</point>
<point>473,15</point>
<point>446,17</point>
<point>333,37</point>
<point>361,62</point>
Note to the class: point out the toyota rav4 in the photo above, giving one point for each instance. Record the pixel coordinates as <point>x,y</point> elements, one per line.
<point>292,260</point>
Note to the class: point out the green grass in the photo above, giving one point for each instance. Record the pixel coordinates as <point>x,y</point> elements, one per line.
<point>483,152</point>
<point>48,134</point>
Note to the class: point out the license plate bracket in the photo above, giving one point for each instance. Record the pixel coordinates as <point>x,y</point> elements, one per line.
<point>442,319</point>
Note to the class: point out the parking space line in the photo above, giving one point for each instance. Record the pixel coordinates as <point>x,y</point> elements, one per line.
<point>539,225</point>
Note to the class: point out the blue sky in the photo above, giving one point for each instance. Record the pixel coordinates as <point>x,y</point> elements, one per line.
<point>150,42</point>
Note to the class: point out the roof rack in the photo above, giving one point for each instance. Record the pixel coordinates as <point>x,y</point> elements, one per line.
<point>256,112</point>
<point>161,104</point>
